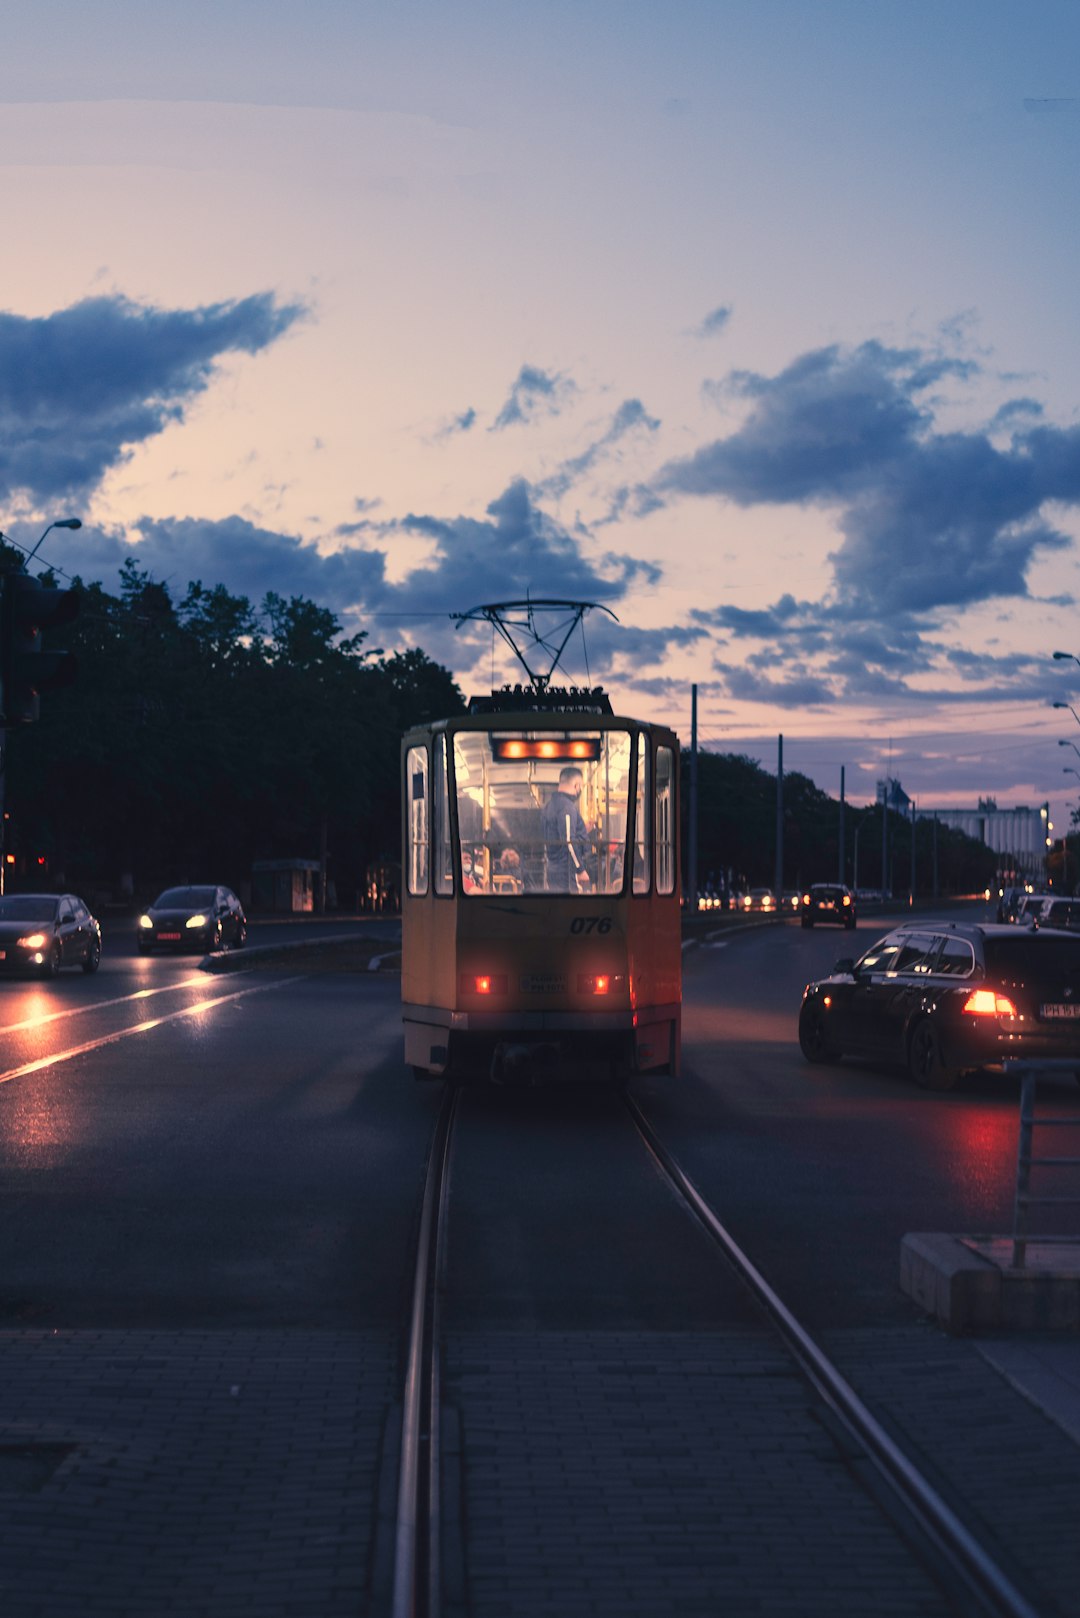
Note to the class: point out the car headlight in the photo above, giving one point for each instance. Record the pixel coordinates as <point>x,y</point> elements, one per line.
<point>195,921</point>
<point>146,921</point>
<point>32,941</point>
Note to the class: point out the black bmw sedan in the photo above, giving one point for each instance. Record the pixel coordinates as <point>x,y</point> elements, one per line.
<point>203,918</point>
<point>41,932</point>
<point>944,998</point>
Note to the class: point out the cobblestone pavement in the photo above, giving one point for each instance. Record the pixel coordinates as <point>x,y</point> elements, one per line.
<point>207,1474</point>
<point>656,1474</point>
<point>194,1473</point>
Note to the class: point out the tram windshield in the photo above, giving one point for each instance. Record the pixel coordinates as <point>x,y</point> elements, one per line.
<point>542,811</point>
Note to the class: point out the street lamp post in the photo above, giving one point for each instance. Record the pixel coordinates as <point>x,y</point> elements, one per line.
<point>61,522</point>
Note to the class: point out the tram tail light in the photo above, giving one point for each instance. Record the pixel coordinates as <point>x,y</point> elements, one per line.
<point>483,983</point>
<point>598,982</point>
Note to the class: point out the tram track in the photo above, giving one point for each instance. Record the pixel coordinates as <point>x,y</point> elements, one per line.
<point>968,1574</point>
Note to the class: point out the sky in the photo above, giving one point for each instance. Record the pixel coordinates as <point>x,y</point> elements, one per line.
<point>753,322</point>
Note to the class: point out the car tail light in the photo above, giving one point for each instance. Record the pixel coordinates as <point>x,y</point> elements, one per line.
<point>595,983</point>
<point>847,898</point>
<point>988,1003</point>
<point>483,983</point>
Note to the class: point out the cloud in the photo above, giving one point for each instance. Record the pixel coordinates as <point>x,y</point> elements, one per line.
<point>462,423</point>
<point>630,417</point>
<point>929,520</point>
<point>80,387</point>
<point>533,392</point>
<point>714,322</point>
<point>513,551</point>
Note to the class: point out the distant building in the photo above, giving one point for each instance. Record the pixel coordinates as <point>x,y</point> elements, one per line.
<point>1017,836</point>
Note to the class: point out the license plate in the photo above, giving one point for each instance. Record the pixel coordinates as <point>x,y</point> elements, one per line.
<point>1065,1012</point>
<point>543,983</point>
<point>169,938</point>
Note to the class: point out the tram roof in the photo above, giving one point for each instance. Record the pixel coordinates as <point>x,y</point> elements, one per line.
<point>586,713</point>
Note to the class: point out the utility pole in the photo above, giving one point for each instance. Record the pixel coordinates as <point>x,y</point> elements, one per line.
<point>778,887</point>
<point>692,855</point>
<point>843,862</point>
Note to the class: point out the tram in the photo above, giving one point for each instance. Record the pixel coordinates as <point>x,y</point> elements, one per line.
<point>540,907</point>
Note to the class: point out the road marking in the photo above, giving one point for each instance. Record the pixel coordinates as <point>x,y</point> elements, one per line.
<point>139,1028</point>
<point>100,1005</point>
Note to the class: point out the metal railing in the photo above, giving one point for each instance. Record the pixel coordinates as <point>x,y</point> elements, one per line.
<point>1026,1201</point>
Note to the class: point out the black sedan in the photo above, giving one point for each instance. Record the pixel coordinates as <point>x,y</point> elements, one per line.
<point>944,998</point>
<point>828,901</point>
<point>202,918</point>
<point>41,932</point>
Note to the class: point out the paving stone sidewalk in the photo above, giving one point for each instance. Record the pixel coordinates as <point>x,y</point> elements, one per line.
<point>201,1474</point>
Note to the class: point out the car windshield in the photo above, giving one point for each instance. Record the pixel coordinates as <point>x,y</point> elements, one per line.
<point>184,899</point>
<point>827,893</point>
<point>27,907</point>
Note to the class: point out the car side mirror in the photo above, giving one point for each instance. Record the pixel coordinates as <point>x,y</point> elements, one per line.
<point>845,967</point>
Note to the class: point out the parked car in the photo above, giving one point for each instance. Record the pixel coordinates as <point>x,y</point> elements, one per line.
<point>203,918</point>
<point>828,901</point>
<point>944,998</point>
<point>41,932</point>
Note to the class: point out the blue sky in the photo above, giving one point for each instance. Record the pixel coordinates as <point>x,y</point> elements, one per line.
<point>755,322</point>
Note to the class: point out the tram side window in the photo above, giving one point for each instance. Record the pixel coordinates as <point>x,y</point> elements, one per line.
<point>444,860</point>
<point>664,820</point>
<point>416,774</point>
<point>641,817</point>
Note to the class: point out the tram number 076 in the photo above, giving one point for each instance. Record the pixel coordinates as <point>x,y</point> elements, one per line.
<point>591,924</point>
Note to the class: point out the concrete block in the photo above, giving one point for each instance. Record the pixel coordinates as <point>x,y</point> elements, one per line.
<point>961,1289</point>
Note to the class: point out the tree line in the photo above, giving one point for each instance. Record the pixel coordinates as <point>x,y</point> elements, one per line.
<point>206,733</point>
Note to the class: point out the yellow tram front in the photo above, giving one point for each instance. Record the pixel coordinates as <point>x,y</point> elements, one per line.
<point>540,911</point>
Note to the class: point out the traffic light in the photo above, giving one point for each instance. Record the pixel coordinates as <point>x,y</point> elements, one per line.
<point>27,609</point>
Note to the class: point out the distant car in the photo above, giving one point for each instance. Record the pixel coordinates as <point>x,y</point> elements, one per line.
<point>943,998</point>
<point>1062,913</point>
<point>1028,907</point>
<point>203,918</point>
<point>1008,900</point>
<point>828,901</point>
<point>41,932</point>
<point>759,899</point>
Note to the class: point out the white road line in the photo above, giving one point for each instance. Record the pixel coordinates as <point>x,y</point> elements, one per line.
<point>139,1028</point>
<point>100,1005</point>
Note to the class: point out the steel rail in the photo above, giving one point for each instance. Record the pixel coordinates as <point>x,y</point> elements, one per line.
<point>952,1540</point>
<point>417,1573</point>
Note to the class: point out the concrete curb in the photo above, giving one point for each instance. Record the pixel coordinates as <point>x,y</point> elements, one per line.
<point>968,1283</point>
<point>237,960</point>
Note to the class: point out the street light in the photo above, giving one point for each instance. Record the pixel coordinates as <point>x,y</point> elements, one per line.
<point>1073,745</point>
<point>1059,655</point>
<point>1071,709</point>
<point>61,522</point>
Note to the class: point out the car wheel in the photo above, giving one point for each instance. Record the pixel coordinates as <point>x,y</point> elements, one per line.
<point>215,937</point>
<point>93,956</point>
<point>50,967</point>
<point>241,936</point>
<point>807,922</point>
<point>926,1061</point>
<point>814,1040</point>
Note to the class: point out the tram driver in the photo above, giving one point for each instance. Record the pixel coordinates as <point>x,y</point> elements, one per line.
<point>566,837</point>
